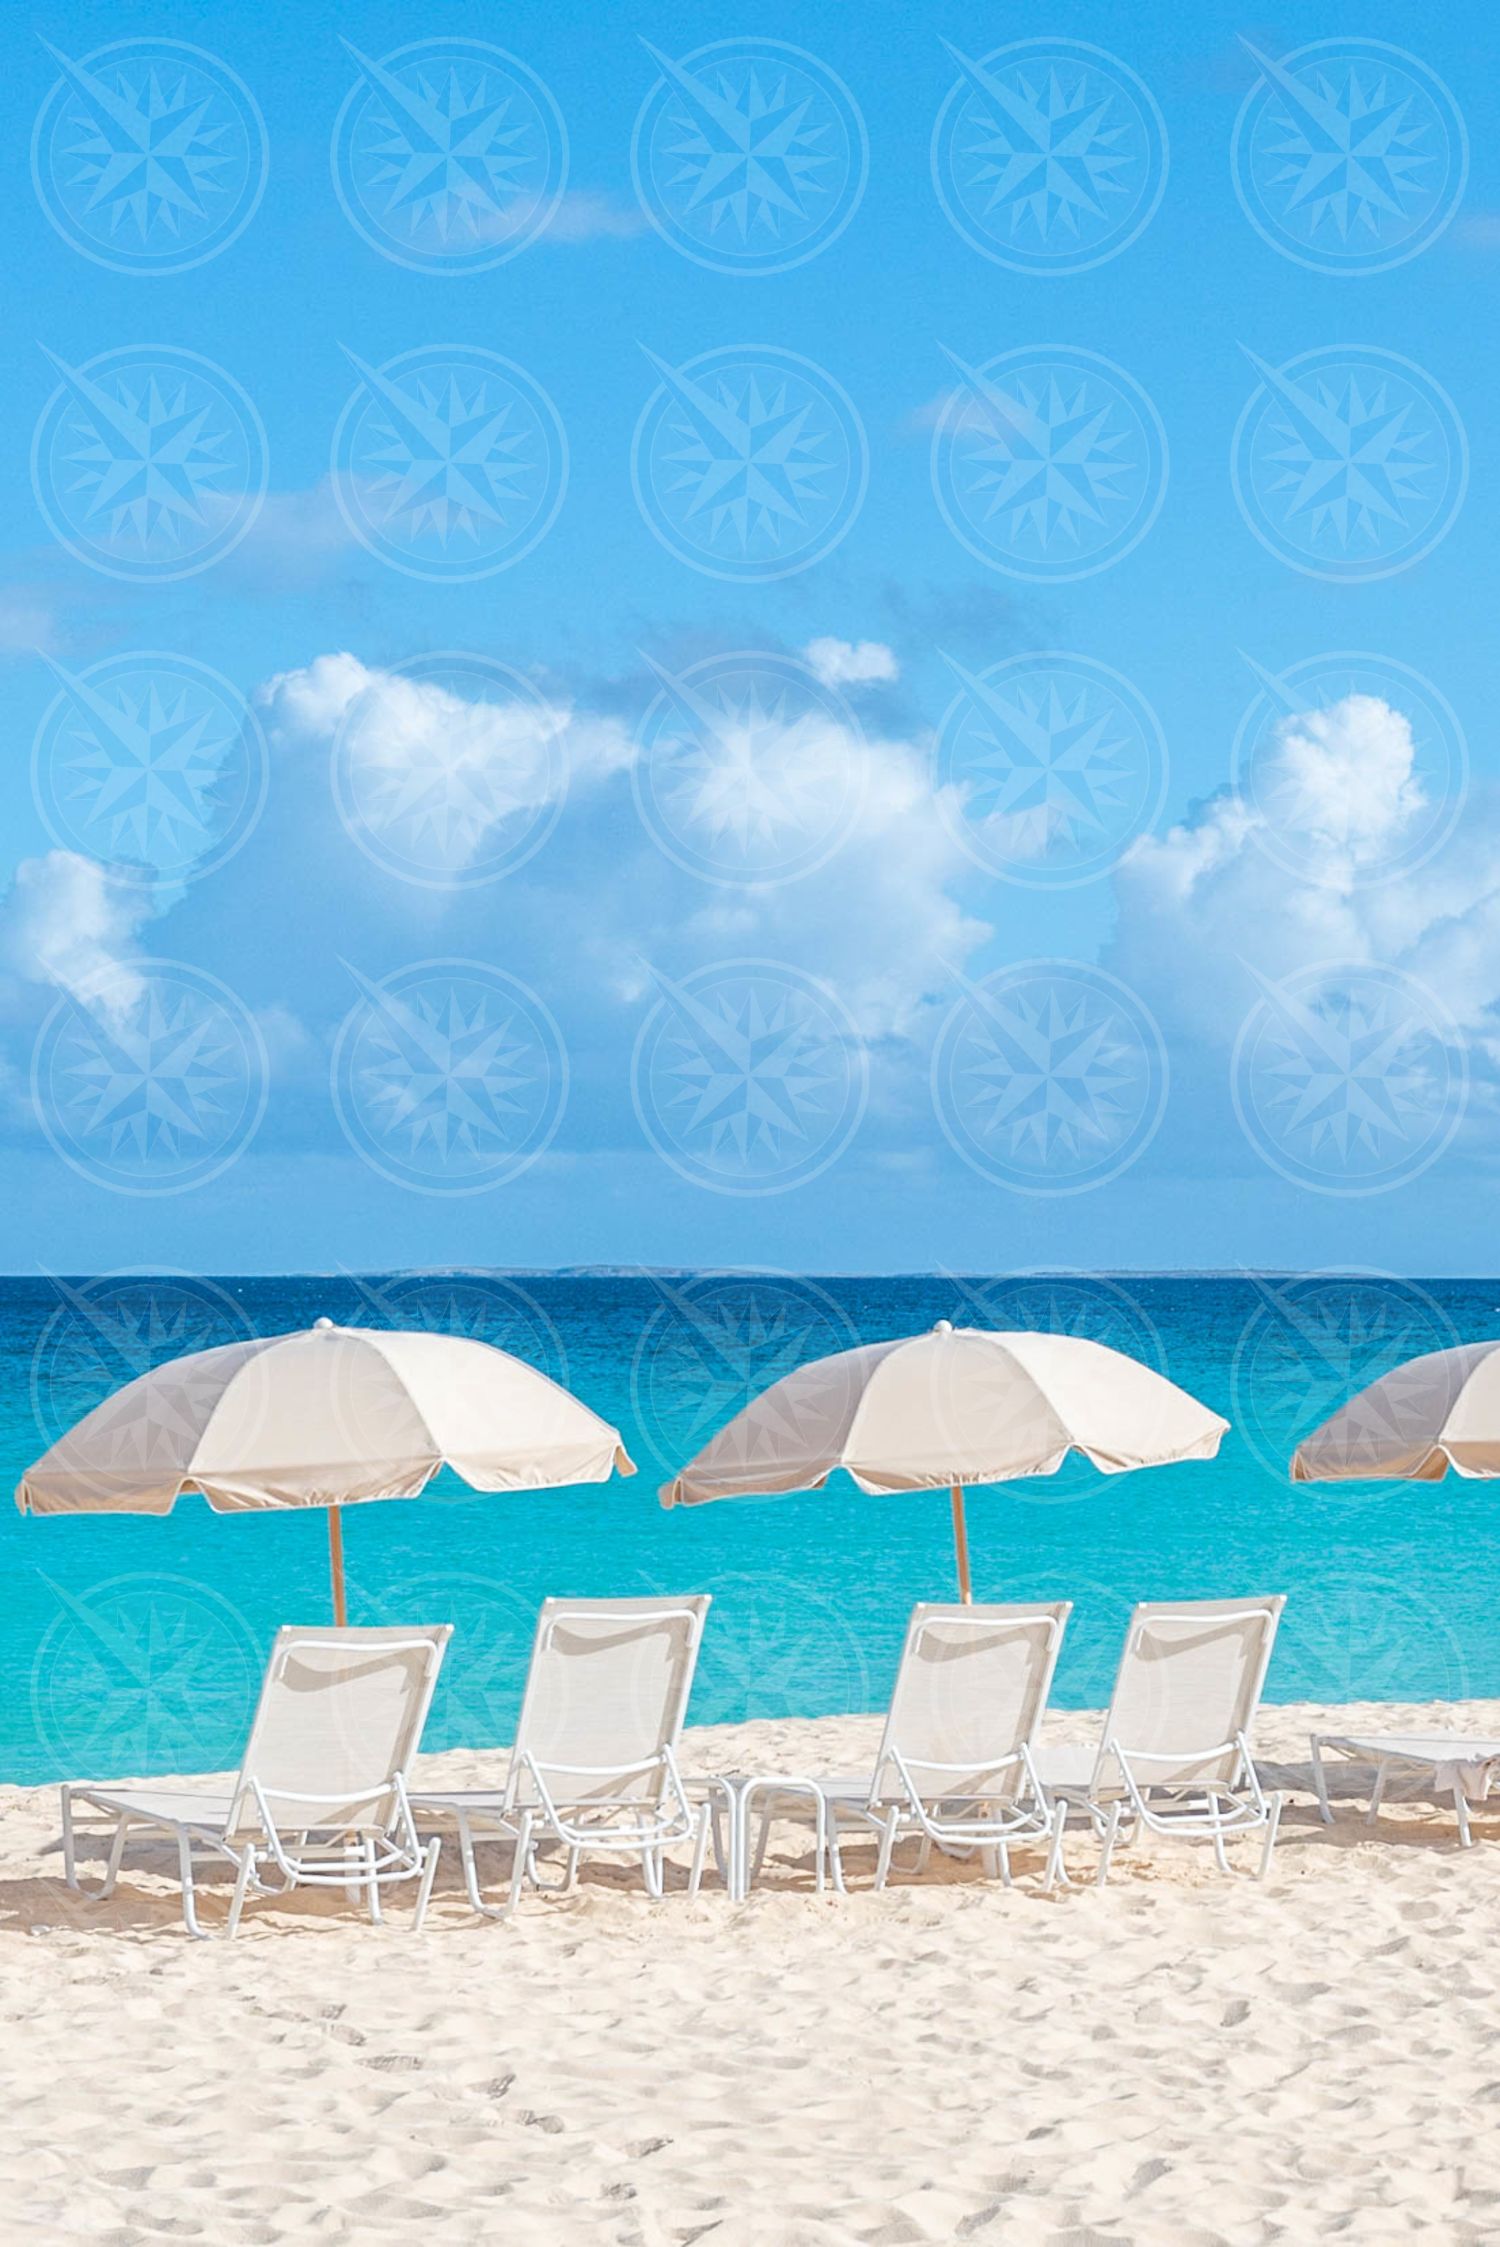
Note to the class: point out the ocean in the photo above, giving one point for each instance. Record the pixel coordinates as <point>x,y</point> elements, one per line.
<point>135,1645</point>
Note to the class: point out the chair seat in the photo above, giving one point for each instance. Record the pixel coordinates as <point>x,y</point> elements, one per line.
<point>1066,1769</point>
<point>171,1806</point>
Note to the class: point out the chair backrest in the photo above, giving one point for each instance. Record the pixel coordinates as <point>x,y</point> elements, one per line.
<point>340,1716</point>
<point>969,1694</point>
<point>1189,1680</point>
<point>606,1695</point>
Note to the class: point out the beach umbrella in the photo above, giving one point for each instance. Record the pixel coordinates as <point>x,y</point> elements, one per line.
<point>939,1411</point>
<point>1434,1412</point>
<point>332,1417</point>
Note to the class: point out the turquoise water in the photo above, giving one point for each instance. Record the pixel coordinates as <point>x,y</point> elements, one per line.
<point>135,1645</point>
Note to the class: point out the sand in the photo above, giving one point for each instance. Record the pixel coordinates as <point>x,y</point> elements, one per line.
<point>1183,2058</point>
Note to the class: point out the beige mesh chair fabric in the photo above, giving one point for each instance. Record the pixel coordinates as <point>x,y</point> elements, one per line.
<point>1175,1755</point>
<point>321,1795</point>
<point>955,1765</point>
<point>594,1765</point>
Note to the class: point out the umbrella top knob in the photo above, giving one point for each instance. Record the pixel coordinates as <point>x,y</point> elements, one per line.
<point>322,1326</point>
<point>943,1326</point>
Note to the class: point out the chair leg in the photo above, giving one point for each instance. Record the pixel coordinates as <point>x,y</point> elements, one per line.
<point>700,1851</point>
<point>1377,1793</point>
<point>836,1852</point>
<point>521,1861</point>
<point>372,1882</point>
<point>887,1844</point>
<point>424,1891</point>
<point>241,1890</point>
<point>1107,1845</point>
<point>70,1861</point>
<point>1320,1783</point>
<point>1460,1804</point>
<point>1273,1827</point>
<point>189,1899</point>
<point>106,1887</point>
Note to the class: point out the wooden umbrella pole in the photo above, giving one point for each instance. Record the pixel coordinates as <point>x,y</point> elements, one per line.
<point>961,1546</point>
<point>336,1565</point>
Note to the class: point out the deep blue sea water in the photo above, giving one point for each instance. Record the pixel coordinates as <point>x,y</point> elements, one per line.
<point>136,1645</point>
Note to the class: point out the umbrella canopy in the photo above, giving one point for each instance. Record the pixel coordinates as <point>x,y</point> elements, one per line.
<point>1438,1411</point>
<point>956,1406</point>
<point>331,1417</point>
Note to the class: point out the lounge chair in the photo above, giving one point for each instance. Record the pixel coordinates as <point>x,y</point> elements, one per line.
<point>1175,1754</point>
<point>321,1794</point>
<point>955,1765</point>
<point>1453,1763</point>
<point>594,1765</point>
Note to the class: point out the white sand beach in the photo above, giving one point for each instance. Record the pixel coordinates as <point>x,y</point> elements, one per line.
<point>1181,2058</point>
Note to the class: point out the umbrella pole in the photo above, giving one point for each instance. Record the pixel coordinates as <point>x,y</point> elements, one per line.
<point>961,1545</point>
<point>336,1565</point>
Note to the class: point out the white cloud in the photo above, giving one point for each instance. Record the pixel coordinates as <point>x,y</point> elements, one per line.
<point>1204,908</point>
<point>846,663</point>
<point>582,215</point>
<point>69,923</point>
<point>483,761</point>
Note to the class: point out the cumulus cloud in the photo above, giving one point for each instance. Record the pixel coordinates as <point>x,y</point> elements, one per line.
<point>421,747</point>
<point>69,923</point>
<point>1290,876</point>
<point>846,663</point>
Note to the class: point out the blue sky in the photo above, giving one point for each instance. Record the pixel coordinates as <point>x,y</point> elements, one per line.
<point>909,1100</point>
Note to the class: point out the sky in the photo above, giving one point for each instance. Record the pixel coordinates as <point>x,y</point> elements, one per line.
<point>857,645</point>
